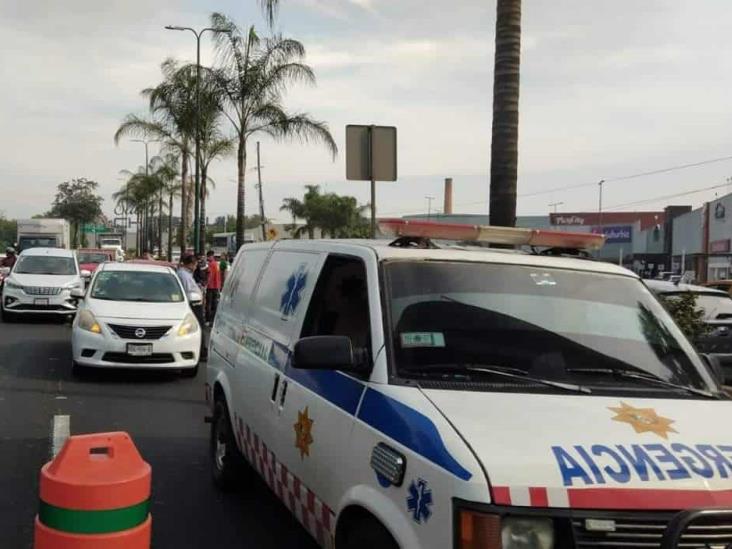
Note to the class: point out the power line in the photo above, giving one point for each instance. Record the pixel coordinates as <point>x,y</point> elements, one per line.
<point>666,197</point>
<point>631,176</point>
<point>593,183</point>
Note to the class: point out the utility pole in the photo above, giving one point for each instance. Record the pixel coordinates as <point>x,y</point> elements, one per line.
<point>555,204</point>
<point>429,206</point>
<point>261,196</point>
<point>599,209</point>
<point>197,186</point>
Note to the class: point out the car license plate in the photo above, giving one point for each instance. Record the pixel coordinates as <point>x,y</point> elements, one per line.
<point>139,349</point>
<point>43,302</point>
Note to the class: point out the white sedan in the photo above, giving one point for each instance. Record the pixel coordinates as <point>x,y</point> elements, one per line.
<point>136,316</point>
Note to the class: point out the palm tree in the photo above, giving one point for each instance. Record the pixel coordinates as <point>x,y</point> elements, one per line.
<point>253,77</point>
<point>172,105</point>
<point>270,7</point>
<point>504,146</point>
<point>166,172</point>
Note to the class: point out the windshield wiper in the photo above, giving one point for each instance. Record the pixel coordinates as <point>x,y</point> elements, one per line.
<point>505,371</point>
<point>631,373</point>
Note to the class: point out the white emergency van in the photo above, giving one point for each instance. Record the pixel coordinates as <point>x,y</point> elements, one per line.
<point>421,394</point>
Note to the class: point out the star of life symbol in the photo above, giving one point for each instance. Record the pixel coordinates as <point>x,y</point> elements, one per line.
<point>291,297</point>
<point>419,501</point>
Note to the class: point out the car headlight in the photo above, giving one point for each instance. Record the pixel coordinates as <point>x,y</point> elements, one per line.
<point>487,531</point>
<point>74,285</point>
<point>188,326</point>
<point>13,285</point>
<point>527,533</point>
<point>88,322</point>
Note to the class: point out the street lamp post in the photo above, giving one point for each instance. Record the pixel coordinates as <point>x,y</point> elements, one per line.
<point>429,206</point>
<point>146,235</point>
<point>197,184</point>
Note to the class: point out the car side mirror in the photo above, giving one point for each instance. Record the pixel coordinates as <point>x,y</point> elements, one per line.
<point>78,293</point>
<point>715,367</point>
<point>85,273</point>
<point>196,298</point>
<point>329,353</point>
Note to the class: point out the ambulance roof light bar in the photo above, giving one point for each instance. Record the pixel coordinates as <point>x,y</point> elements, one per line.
<point>495,235</point>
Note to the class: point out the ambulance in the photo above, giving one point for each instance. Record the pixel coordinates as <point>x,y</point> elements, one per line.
<point>428,391</point>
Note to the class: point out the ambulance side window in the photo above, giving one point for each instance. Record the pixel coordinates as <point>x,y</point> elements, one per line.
<point>340,304</point>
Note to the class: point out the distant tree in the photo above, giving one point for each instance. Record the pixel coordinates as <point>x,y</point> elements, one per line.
<point>8,232</point>
<point>77,201</point>
<point>687,316</point>
<point>335,215</point>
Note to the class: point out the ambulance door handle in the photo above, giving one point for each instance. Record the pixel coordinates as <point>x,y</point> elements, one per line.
<point>283,394</point>
<point>276,385</point>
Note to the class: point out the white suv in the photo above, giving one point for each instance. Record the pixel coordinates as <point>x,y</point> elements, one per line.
<point>41,282</point>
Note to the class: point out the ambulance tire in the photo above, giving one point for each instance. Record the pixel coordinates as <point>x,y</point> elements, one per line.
<point>368,533</point>
<point>227,463</point>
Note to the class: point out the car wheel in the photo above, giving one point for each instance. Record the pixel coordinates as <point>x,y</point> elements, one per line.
<point>227,463</point>
<point>7,317</point>
<point>189,372</point>
<point>368,533</point>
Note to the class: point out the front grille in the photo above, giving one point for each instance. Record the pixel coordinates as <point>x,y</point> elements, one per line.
<point>28,307</point>
<point>646,530</point>
<point>129,332</point>
<point>157,358</point>
<point>41,290</point>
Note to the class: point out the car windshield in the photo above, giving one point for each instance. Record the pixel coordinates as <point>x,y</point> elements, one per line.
<point>26,243</point>
<point>43,264</point>
<point>137,286</point>
<point>93,257</point>
<point>554,324</point>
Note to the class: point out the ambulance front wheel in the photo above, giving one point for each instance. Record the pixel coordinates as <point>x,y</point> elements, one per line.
<point>226,460</point>
<point>366,533</point>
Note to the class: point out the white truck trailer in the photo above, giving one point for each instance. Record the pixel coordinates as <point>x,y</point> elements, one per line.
<point>43,233</point>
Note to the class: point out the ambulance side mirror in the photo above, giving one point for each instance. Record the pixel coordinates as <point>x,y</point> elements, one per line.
<point>329,353</point>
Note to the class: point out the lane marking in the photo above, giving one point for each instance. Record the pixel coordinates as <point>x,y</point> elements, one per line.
<point>60,431</point>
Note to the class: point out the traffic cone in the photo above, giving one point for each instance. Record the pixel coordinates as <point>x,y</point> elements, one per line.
<point>95,494</point>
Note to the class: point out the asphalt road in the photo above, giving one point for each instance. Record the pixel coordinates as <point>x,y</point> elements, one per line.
<point>164,415</point>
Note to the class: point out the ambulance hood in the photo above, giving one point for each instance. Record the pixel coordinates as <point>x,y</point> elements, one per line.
<point>596,452</point>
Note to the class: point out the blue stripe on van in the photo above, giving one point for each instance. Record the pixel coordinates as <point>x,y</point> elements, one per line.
<point>410,428</point>
<point>336,388</point>
<point>394,419</point>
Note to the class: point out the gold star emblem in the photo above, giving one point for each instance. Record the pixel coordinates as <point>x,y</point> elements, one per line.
<point>644,420</point>
<point>303,433</point>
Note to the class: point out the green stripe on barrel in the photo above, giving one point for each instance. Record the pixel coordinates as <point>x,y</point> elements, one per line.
<point>106,521</point>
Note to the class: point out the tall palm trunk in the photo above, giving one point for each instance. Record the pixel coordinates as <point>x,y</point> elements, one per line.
<point>202,229</point>
<point>170,227</point>
<point>504,147</point>
<point>183,234</point>
<point>160,222</point>
<point>241,166</point>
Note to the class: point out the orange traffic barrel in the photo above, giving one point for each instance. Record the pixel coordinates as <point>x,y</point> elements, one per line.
<point>95,495</point>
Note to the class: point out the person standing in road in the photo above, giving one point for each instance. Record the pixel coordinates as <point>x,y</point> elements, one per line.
<point>213,286</point>
<point>10,258</point>
<point>223,267</point>
<point>188,265</point>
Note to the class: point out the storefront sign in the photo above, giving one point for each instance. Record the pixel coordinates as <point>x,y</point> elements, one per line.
<point>720,246</point>
<point>568,220</point>
<point>617,234</point>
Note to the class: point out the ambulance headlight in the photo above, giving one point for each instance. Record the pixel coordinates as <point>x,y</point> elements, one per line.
<point>479,530</point>
<point>527,533</point>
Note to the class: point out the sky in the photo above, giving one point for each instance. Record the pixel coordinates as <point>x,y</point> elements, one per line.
<point>608,89</point>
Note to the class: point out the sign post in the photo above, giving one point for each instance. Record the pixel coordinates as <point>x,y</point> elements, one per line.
<point>371,155</point>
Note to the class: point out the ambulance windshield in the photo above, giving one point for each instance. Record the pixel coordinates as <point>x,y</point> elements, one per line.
<point>554,324</point>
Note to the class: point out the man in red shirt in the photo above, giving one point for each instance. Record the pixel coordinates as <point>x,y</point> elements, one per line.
<point>213,286</point>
